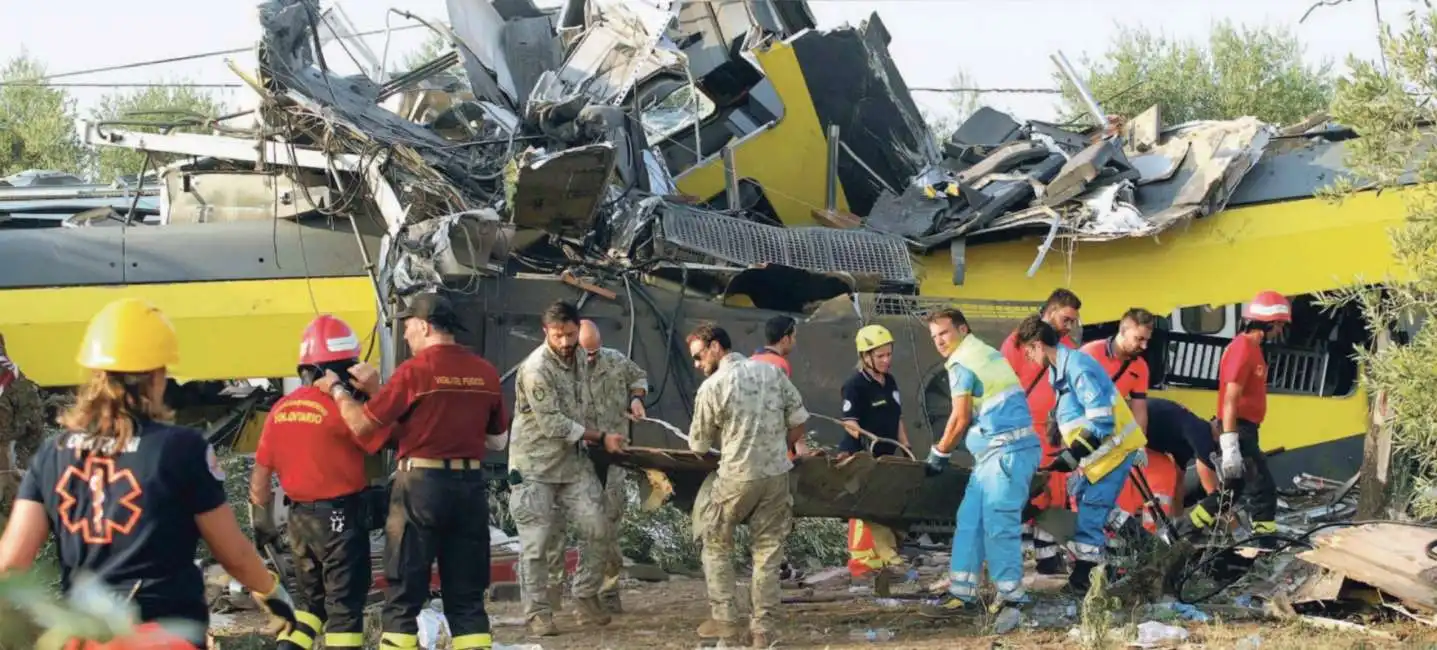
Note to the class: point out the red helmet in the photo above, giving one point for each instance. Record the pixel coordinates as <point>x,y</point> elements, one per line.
<point>327,339</point>
<point>1268,307</point>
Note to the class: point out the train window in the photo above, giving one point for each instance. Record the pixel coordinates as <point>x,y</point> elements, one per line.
<point>1203,319</point>
<point>670,106</point>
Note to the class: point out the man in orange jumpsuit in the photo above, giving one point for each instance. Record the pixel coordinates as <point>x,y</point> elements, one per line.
<point>1060,311</point>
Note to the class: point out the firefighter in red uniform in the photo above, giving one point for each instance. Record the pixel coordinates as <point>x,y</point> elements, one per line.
<point>1241,407</point>
<point>321,468</point>
<point>1060,311</point>
<point>439,507</point>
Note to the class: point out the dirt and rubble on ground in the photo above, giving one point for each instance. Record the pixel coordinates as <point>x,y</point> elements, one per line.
<point>839,614</point>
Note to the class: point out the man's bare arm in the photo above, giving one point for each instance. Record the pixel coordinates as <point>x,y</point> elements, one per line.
<point>958,422</point>
<point>260,491</point>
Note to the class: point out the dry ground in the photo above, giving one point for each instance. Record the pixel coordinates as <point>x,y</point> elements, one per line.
<point>664,615</point>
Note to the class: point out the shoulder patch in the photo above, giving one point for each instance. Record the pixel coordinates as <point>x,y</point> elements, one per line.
<point>895,398</point>
<point>213,461</point>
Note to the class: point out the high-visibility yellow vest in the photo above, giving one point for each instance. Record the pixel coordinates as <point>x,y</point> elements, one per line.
<point>1127,437</point>
<point>998,379</point>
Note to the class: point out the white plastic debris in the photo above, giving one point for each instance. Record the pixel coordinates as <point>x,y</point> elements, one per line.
<point>432,626</point>
<point>1153,634</point>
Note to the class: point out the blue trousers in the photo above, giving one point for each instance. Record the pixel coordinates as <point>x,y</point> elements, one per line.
<point>1095,501</point>
<point>990,523</point>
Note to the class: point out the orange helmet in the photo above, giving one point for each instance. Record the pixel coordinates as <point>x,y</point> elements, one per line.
<point>326,340</point>
<point>1268,307</point>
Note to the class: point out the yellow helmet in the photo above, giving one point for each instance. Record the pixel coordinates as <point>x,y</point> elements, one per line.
<point>872,337</point>
<point>129,335</point>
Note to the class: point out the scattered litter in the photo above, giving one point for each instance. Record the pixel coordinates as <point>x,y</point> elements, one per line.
<point>1008,620</point>
<point>1153,634</point>
<point>432,627</point>
<point>871,634</point>
<point>1184,611</point>
<point>888,603</point>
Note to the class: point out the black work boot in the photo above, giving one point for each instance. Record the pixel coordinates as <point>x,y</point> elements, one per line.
<point>1050,566</point>
<point>1081,578</point>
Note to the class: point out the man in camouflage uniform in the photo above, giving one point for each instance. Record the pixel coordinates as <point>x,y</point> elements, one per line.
<point>549,467</point>
<point>21,423</point>
<point>752,413</point>
<point>613,389</point>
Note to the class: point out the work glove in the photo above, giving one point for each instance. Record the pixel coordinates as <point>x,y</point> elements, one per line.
<point>1230,469</point>
<point>279,606</point>
<point>1064,462</point>
<point>261,518</point>
<point>937,462</point>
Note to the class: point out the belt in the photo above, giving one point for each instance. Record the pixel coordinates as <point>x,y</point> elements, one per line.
<point>455,464</point>
<point>336,502</point>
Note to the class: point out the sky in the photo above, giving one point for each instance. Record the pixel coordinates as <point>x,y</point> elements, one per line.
<point>999,43</point>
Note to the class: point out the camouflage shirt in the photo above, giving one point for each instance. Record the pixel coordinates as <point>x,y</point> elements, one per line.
<point>610,380</point>
<point>548,416</point>
<point>745,409</point>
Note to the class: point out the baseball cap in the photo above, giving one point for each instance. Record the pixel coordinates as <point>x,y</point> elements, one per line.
<point>434,308</point>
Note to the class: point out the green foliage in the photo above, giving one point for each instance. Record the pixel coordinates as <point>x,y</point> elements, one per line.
<point>1386,105</point>
<point>431,49</point>
<point>189,108</point>
<point>1238,72</point>
<point>37,124</point>
<point>959,107</point>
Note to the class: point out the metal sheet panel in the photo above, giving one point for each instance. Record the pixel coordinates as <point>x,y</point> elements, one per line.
<point>178,253</point>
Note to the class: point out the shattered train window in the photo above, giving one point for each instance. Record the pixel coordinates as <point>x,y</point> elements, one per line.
<point>670,106</point>
<point>1203,319</point>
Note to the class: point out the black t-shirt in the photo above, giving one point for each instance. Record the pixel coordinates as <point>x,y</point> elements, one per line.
<point>130,517</point>
<point>1175,430</point>
<point>876,408</point>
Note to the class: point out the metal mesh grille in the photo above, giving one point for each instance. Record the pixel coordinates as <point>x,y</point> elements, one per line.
<point>919,306</point>
<point>736,241</point>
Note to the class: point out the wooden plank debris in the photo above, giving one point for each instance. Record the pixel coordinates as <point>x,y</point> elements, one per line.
<point>1391,557</point>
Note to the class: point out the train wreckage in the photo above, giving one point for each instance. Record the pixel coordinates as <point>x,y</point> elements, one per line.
<point>662,163</point>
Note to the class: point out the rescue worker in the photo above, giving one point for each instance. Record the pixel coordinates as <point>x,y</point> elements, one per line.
<point>1006,452</point>
<point>128,496</point>
<point>1121,357</point>
<point>1060,311</point>
<point>751,412</point>
<point>21,426</point>
<point>780,336</point>
<point>613,391</point>
<point>321,468</point>
<point>1099,438</point>
<point>438,504</point>
<point>1241,407</point>
<point>1174,430</point>
<point>550,469</point>
<point>871,404</point>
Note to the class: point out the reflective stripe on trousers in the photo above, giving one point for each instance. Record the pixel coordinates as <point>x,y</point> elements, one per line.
<point>990,524</point>
<point>1095,502</point>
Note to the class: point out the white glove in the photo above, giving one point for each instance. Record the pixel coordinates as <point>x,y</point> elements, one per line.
<point>497,443</point>
<point>1231,467</point>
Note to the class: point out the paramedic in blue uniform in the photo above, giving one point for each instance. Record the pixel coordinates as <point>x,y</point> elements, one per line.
<point>1099,439</point>
<point>450,409</point>
<point>1006,451</point>
<point>127,495</point>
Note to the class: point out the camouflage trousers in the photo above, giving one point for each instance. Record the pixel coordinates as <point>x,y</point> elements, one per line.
<point>615,497</point>
<point>766,505</point>
<point>22,421</point>
<point>532,506</point>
